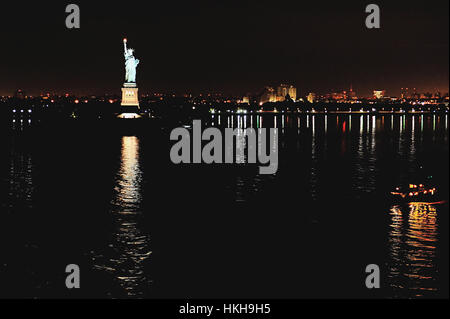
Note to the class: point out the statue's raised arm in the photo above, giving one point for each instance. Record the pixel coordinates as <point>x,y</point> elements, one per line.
<point>125,46</point>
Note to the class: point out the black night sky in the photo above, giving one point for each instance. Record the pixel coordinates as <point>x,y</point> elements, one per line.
<point>232,47</point>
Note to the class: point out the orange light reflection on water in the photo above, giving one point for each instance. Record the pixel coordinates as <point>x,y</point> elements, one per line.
<point>413,237</point>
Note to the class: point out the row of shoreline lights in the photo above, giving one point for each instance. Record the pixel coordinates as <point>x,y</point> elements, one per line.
<point>21,121</point>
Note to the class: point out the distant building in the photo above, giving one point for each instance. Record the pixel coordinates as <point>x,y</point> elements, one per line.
<point>404,93</point>
<point>339,96</point>
<point>352,94</point>
<point>19,94</point>
<point>293,93</point>
<point>437,95</point>
<point>268,95</point>
<point>284,90</point>
<point>311,97</point>
<point>281,94</point>
<point>379,94</point>
<point>343,96</point>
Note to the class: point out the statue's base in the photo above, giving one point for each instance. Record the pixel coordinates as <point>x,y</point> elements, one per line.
<point>130,95</point>
<point>130,102</point>
<point>130,85</point>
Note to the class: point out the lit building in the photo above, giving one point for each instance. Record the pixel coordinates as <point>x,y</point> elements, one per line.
<point>284,90</point>
<point>343,96</point>
<point>379,94</point>
<point>268,95</point>
<point>404,93</point>
<point>338,96</point>
<point>311,97</point>
<point>352,94</point>
<point>437,95</point>
<point>279,95</point>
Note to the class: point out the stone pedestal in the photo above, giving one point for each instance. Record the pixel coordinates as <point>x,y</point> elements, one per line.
<point>130,102</point>
<point>130,96</point>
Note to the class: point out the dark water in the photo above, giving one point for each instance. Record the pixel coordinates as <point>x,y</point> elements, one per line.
<point>107,198</point>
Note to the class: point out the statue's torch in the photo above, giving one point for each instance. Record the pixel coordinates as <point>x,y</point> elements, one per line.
<point>125,44</point>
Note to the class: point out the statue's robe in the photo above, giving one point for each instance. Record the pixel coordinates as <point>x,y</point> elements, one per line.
<point>130,68</point>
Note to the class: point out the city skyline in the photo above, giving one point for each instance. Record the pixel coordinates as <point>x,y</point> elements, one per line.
<point>228,48</point>
<point>410,93</point>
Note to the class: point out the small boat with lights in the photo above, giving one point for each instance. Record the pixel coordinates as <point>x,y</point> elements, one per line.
<point>415,193</point>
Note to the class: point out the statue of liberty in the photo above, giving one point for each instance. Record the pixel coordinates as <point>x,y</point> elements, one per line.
<point>131,64</point>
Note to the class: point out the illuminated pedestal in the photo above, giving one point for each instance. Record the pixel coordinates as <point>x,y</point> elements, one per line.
<point>130,101</point>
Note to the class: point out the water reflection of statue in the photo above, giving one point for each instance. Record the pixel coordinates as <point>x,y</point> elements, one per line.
<point>130,64</point>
